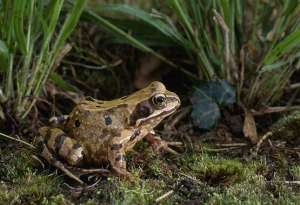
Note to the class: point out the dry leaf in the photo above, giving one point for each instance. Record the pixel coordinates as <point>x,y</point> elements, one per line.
<point>249,128</point>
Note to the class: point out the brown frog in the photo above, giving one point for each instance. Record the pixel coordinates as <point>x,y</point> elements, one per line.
<point>97,132</point>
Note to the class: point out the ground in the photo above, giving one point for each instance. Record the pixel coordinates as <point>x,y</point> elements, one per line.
<point>198,175</point>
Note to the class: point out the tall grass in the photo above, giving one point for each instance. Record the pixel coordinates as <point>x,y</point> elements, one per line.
<point>252,44</point>
<point>33,37</point>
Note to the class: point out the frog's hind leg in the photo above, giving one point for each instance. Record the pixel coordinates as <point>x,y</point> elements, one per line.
<point>55,162</point>
<point>59,143</point>
<point>56,143</point>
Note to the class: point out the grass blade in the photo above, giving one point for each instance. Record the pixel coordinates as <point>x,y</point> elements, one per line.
<point>159,25</point>
<point>289,42</point>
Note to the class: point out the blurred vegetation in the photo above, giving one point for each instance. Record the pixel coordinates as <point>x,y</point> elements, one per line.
<point>252,46</point>
<point>31,49</point>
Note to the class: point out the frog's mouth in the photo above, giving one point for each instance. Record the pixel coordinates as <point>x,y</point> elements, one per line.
<point>146,113</point>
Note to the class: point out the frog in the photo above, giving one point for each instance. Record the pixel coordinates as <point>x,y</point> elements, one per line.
<point>99,133</point>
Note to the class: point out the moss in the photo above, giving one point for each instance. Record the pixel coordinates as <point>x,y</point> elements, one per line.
<point>255,189</point>
<point>295,171</point>
<point>196,177</point>
<point>20,181</point>
<point>212,169</point>
<point>56,200</point>
<point>288,127</point>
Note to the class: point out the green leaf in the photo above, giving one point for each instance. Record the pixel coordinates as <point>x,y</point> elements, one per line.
<point>69,24</point>
<point>60,82</point>
<point>18,23</point>
<point>273,66</point>
<point>4,56</point>
<point>220,90</point>
<point>289,42</point>
<point>159,25</point>
<point>122,34</point>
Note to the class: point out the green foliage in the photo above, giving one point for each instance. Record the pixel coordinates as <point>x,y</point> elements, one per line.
<point>30,47</point>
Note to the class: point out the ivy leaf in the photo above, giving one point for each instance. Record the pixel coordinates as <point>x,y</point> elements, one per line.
<point>206,100</point>
<point>205,111</point>
<point>220,90</point>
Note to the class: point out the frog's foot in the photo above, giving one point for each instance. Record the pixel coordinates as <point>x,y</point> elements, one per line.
<point>161,145</point>
<point>52,160</point>
<point>58,120</point>
<point>123,174</point>
<point>81,189</point>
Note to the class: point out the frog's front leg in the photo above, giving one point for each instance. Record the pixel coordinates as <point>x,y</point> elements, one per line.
<point>55,142</point>
<point>116,153</point>
<point>158,144</point>
<point>116,156</point>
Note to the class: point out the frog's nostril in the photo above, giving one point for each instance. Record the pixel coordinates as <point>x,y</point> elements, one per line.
<point>108,120</point>
<point>77,123</point>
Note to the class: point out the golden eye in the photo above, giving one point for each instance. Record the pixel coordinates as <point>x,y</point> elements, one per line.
<point>159,100</point>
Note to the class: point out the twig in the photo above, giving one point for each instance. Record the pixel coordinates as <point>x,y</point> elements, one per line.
<point>294,86</point>
<point>114,64</point>
<point>231,76</point>
<point>18,140</point>
<point>292,182</point>
<point>190,177</point>
<point>220,149</point>
<point>232,145</point>
<point>270,110</point>
<point>184,112</point>
<point>38,159</point>
<point>286,182</point>
<point>164,196</point>
<point>262,139</point>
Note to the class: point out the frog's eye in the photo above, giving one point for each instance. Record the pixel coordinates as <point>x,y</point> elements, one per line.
<point>159,100</point>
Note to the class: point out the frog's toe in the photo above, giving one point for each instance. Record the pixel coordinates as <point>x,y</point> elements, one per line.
<point>174,143</point>
<point>164,146</point>
<point>83,171</point>
<point>126,176</point>
<point>159,145</point>
<point>170,150</point>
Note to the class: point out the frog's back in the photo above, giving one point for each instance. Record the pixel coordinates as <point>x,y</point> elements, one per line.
<point>94,125</point>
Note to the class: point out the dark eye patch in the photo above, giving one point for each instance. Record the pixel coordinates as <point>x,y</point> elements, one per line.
<point>142,110</point>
